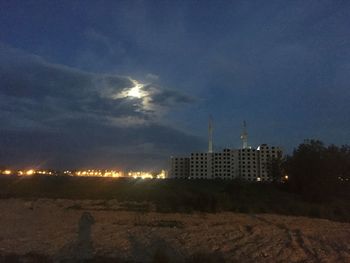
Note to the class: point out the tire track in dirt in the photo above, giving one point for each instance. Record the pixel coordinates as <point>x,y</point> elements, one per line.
<point>122,234</point>
<point>296,239</point>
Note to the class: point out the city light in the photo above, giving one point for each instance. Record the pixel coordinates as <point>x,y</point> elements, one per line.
<point>95,173</point>
<point>90,173</point>
<point>43,172</point>
<point>30,172</point>
<point>162,175</point>
<point>140,175</point>
<point>117,174</point>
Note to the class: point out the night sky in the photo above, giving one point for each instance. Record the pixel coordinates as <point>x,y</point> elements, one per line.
<point>126,84</point>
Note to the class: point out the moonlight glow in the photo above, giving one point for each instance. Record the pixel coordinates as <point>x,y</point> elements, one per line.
<point>137,92</point>
<point>134,92</point>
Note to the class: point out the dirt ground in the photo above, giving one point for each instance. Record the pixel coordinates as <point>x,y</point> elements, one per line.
<point>54,228</point>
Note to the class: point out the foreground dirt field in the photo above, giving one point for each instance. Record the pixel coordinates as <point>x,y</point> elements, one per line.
<point>51,228</point>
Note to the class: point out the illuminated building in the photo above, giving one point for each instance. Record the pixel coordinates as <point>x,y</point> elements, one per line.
<point>246,163</point>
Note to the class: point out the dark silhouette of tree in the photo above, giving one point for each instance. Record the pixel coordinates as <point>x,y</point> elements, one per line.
<point>314,169</point>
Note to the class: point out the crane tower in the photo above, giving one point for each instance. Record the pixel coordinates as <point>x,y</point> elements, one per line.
<point>210,136</point>
<point>244,136</point>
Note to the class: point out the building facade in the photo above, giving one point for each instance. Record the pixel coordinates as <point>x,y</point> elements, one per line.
<point>201,166</point>
<point>225,164</point>
<point>180,167</point>
<point>266,155</point>
<point>247,164</point>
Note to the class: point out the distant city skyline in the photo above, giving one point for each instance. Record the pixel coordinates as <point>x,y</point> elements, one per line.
<point>126,84</point>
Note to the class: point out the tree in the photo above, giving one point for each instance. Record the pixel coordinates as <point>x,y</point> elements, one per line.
<point>314,169</point>
<point>275,168</point>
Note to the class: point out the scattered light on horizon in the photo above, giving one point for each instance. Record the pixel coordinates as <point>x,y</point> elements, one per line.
<point>92,172</point>
<point>89,173</point>
<point>30,172</point>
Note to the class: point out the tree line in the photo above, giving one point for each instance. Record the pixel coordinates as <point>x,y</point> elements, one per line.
<point>314,170</point>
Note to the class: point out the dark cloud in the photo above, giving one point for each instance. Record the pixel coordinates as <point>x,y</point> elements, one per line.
<point>167,97</point>
<point>35,85</point>
<point>76,117</point>
<point>85,144</point>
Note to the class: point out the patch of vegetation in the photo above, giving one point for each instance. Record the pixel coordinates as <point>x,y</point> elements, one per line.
<point>318,172</point>
<point>318,186</point>
<point>183,196</point>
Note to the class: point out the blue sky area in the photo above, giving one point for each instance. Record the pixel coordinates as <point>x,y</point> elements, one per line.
<point>126,84</point>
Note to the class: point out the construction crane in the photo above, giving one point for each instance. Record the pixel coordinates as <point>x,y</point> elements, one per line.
<point>244,136</point>
<point>210,136</point>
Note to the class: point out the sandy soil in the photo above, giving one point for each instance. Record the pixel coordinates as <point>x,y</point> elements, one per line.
<point>50,227</point>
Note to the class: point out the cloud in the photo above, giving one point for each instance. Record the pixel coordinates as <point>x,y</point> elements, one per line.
<point>171,97</point>
<point>56,109</point>
<point>88,143</point>
<point>152,77</point>
<point>55,90</point>
<point>95,36</point>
